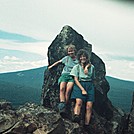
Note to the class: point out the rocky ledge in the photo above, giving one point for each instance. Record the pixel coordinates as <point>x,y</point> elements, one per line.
<point>35,119</point>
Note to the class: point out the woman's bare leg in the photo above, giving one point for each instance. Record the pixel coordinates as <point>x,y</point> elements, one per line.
<point>69,87</point>
<point>62,91</point>
<point>88,112</point>
<point>77,107</point>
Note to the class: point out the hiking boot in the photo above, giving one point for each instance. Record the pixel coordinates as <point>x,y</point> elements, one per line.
<point>76,118</point>
<point>62,109</point>
<point>87,128</point>
<point>61,106</point>
<point>64,113</point>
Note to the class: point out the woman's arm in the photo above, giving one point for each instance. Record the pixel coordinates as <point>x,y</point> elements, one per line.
<point>80,86</point>
<point>54,64</point>
<point>86,68</point>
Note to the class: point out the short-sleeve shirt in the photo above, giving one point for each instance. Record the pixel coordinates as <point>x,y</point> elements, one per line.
<point>78,71</point>
<point>69,64</point>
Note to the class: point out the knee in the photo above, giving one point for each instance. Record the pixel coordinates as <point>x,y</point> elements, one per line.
<point>89,109</point>
<point>62,89</point>
<point>79,104</point>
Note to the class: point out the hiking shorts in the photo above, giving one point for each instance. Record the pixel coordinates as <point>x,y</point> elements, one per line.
<point>77,93</point>
<point>65,78</point>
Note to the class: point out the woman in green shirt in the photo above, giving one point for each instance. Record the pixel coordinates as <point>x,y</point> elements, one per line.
<point>66,81</point>
<point>83,90</point>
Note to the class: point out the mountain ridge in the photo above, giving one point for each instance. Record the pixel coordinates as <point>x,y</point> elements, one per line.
<point>33,79</point>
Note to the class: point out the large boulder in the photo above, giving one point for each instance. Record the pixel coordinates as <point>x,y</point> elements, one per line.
<point>7,116</point>
<point>105,116</point>
<point>33,119</point>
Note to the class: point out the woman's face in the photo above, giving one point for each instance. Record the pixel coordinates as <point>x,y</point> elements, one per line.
<point>83,59</point>
<point>71,52</point>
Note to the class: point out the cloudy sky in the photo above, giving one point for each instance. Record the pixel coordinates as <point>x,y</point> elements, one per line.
<point>28,27</point>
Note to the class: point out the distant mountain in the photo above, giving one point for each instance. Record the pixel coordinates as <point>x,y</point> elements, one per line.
<point>19,94</point>
<point>32,78</point>
<point>25,86</point>
<point>120,93</point>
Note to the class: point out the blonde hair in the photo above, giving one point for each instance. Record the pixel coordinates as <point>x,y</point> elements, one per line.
<point>70,46</point>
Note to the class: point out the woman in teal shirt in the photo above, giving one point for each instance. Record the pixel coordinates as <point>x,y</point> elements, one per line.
<point>66,81</point>
<point>83,90</point>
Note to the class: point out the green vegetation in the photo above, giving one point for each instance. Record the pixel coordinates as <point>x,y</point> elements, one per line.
<point>121,93</point>
<point>19,94</point>
<point>25,86</point>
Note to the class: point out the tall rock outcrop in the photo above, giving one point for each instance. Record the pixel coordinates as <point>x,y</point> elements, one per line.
<point>105,119</point>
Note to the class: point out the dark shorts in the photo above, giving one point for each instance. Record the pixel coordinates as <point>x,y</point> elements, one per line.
<point>77,93</point>
<point>65,78</point>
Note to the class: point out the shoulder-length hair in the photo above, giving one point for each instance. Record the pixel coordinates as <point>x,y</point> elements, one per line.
<point>84,53</point>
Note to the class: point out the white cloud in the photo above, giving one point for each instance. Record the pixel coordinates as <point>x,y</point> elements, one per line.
<point>108,25</point>
<point>40,48</point>
<point>108,68</point>
<point>11,64</point>
<point>17,66</point>
<point>131,65</point>
<point>120,69</point>
<point>10,58</point>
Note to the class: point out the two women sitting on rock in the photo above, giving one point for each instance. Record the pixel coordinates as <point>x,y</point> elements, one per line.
<point>81,72</point>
